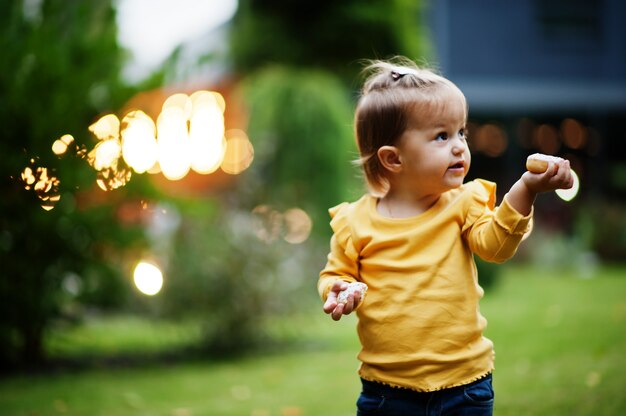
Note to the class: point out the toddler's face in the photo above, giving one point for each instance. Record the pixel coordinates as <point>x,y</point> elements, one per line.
<point>434,152</point>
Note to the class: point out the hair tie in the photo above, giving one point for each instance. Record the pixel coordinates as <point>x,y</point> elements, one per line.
<point>398,73</point>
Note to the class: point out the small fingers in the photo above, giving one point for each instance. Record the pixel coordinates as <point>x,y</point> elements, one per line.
<point>336,308</point>
<point>554,168</point>
<point>337,312</point>
<point>347,308</point>
<point>565,177</point>
<point>559,175</point>
<point>330,304</point>
<point>349,305</point>
<point>331,300</point>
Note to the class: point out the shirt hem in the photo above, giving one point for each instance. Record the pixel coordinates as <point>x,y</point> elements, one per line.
<point>428,390</point>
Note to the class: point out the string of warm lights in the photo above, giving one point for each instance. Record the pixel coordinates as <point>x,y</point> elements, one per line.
<point>189,134</point>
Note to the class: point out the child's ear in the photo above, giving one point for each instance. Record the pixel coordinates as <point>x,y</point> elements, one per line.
<point>389,157</point>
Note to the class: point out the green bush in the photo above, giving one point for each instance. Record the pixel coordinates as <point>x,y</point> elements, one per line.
<point>601,227</point>
<point>223,274</point>
<point>301,128</point>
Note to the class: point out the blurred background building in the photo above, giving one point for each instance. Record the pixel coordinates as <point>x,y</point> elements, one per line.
<point>540,76</point>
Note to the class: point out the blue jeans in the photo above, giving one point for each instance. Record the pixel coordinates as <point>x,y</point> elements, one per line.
<point>474,399</point>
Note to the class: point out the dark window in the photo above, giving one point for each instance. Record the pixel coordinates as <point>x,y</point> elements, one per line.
<point>571,23</point>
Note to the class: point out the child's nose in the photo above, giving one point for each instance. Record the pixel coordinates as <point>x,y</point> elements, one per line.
<point>458,146</point>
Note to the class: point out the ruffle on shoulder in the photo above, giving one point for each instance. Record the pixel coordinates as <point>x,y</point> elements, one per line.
<point>482,197</point>
<point>340,224</point>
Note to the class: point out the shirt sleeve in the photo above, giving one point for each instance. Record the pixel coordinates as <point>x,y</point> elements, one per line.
<point>493,233</point>
<point>342,261</point>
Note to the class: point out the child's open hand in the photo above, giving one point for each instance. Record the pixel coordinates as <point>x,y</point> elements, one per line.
<point>557,176</point>
<point>336,308</point>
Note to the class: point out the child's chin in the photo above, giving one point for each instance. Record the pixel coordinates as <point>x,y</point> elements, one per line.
<point>457,183</point>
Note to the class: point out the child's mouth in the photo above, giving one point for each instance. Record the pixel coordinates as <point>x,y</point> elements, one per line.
<point>457,169</point>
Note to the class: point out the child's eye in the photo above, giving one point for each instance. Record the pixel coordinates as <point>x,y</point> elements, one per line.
<point>463,133</point>
<point>442,136</point>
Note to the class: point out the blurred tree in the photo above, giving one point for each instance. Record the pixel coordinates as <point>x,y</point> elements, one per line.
<point>222,272</point>
<point>60,68</point>
<point>300,60</point>
<point>301,130</point>
<point>333,35</point>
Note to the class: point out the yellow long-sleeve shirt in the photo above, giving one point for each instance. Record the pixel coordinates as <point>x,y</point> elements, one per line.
<point>419,325</point>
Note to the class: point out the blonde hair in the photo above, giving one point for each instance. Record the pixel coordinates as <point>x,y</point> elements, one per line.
<point>393,91</point>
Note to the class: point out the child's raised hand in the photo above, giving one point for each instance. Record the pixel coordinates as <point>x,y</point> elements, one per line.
<point>335,308</point>
<point>558,175</point>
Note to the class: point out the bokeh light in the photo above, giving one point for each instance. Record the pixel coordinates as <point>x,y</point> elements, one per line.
<point>267,223</point>
<point>43,183</point>
<point>574,133</point>
<point>294,225</point>
<point>139,146</point>
<point>298,225</point>
<point>189,134</point>
<point>239,152</point>
<point>148,278</point>
<point>490,139</point>
<point>107,127</point>
<point>105,154</point>
<point>206,132</point>
<point>60,146</point>
<point>173,141</point>
<point>546,139</point>
<point>113,178</point>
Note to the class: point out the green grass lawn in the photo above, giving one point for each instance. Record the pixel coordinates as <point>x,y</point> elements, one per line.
<point>560,350</point>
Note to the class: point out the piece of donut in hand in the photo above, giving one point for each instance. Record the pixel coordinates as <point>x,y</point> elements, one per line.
<point>353,288</point>
<point>538,162</point>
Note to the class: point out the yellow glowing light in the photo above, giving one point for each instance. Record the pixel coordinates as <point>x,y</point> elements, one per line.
<point>298,225</point>
<point>107,127</point>
<point>207,155</point>
<point>59,147</point>
<point>139,146</point>
<point>173,143</point>
<point>105,154</point>
<point>239,152</point>
<point>219,99</point>
<point>113,178</point>
<point>156,168</point>
<point>206,135</point>
<point>49,202</point>
<point>45,186</point>
<point>569,194</point>
<point>28,177</point>
<point>181,101</point>
<point>202,98</point>
<point>148,278</point>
